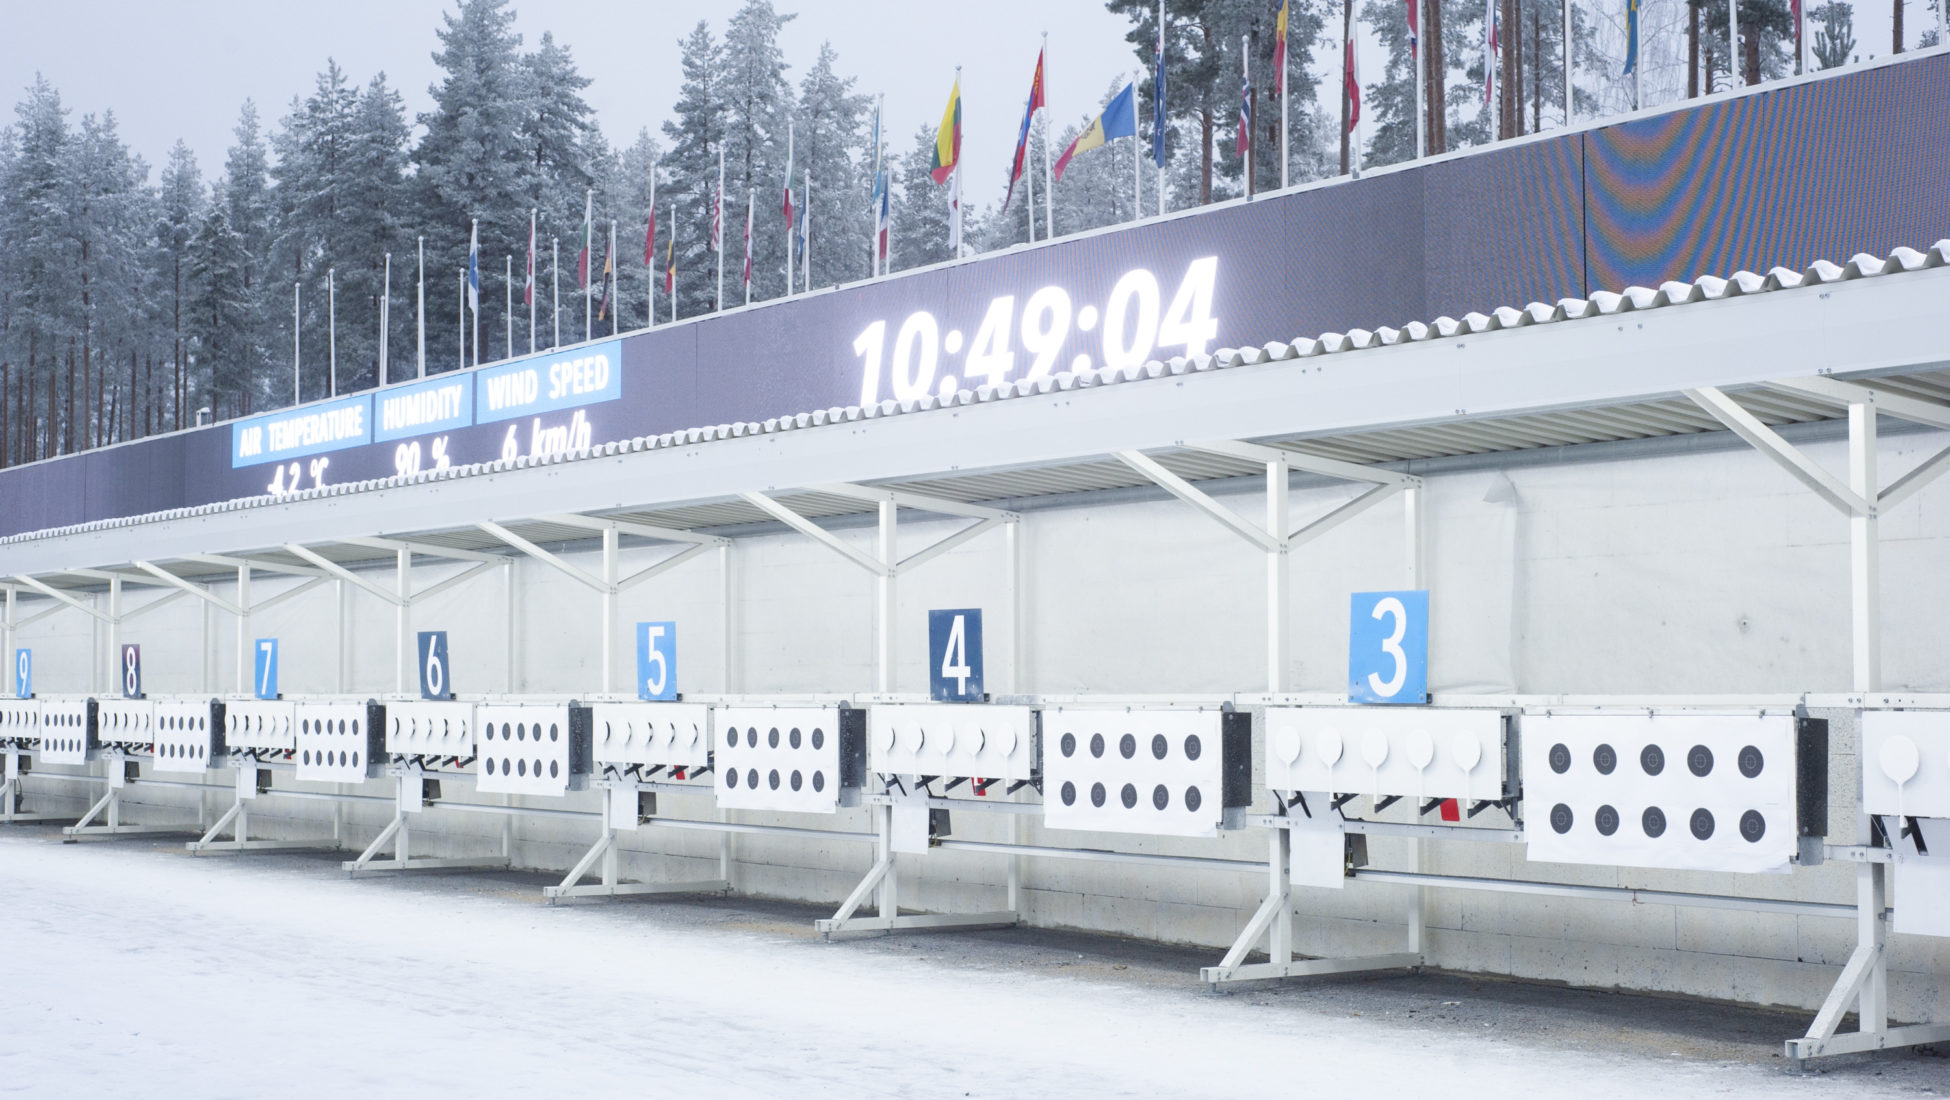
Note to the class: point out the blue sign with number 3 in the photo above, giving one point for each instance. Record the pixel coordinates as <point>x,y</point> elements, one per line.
<point>1388,647</point>
<point>436,679</point>
<point>955,655</point>
<point>656,662</point>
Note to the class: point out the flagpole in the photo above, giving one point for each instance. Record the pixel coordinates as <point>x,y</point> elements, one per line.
<point>1354,93</point>
<point>460,321</point>
<point>555,287</point>
<point>332,326</point>
<point>297,389</point>
<point>670,288</point>
<point>529,291</point>
<point>954,193</point>
<point>751,204</point>
<point>420,313</point>
<point>1286,67</point>
<point>586,262</point>
<point>1137,155</point>
<point>508,302</point>
<point>615,273</point>
<point>873,192</point>
<point>717,225</point>
<point>791,231</point>
<point>1246,75</point>
<point>385,316</point>
<point>1569,69</point>
<point>650,256</point>
<point>1733,42</point>
<point>1049,177</point>
<point>1422,76</point>
<point>805,273</point>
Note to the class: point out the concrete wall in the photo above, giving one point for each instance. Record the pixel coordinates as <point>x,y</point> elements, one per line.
<point>1595,570</point>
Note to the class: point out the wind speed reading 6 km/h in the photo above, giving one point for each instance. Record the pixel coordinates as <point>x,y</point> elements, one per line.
<point>1137,323</point>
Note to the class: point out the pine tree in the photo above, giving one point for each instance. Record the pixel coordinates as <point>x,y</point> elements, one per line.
<point>1834,43</point>
<point>920,229</point>
<point>248,208</point>
<point>182,199</point>
<point>219,315</point>
<point>105,201</point>
<point>1766,38</point>
<point>38,264</point>
<point>830,141</point>
<point>691,168</point>
<point>559,174</point>
<point>757,107</point>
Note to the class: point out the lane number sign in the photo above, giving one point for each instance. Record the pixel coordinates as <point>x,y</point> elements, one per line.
<point>436,678</point>
<point>656,662</point>
<point>1388,647</point>
<point>265,683</point>
<point>23,673</point>
<point>955,655</point>
<point>131,672</point>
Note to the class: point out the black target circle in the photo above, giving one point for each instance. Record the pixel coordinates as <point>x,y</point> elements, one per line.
<point>1127,746</point>
<point>1653,759</point>
<point>1702,824</point>
<point>1068,744</point>
<point>1159,746</point>
<point>1192,746</point>
<point>1752,826</point>
<point>1097,795</point>
<point>1699,761</point>
<point>1606,819</point>
<point>1160,797</point>
<point>1653,821</point>
<point>1193,799</point>
<point>1128,796</point>
<point>1750,761</point>
<point>1561,818</point>
<point>1097,745</point>
<point>1605,759</point>
<point>1069,793</point>
<point>1560,757</point>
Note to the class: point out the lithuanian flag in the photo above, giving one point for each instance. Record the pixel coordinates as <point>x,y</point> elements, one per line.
<point>947,140</point>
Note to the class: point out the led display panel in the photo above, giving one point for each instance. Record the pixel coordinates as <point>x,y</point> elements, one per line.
<point>531,748</point>
<point>1418,752</point>
<point>189,735</point>
<point>675,735</point>
<point>1700,792</point>
<point>1160,772</point>
<point>788,758</point>
<point>339,742</point>
<point>955,740</point>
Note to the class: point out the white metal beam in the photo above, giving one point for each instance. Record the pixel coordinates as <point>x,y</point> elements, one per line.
<point>1902,406</point>
<point>573,571</point>
<point>817,533</point>
<point>1900,489</point>
<point>920,502</point>
<point>1197,498</point>
<point>942,546</point>
<point>1313,464</point>
<point>628,527</point>
<point>1314,528</point>
<point>424,549</point>
<point>297,589</point>
<point>168,597</point>
<point>232,561</point>
<point>196,590</point>
<point>56,593</point>
<point>467,574</point>
<point>667,564</point>
<point>1789,457</point>
<point>344,574</point>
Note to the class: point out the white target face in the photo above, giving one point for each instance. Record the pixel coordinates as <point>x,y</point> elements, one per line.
<point>1682,791</point>
<point>780,758</point>
<point>527,748</point>
<point>189,735</point>
<point>262,725</point>
<point>1411,752</point>
<point>673,735</point>
<point>335,743</point>
<point>68,733</point>
<point>426,729</point>
<point>1158,772</point>
<point>130,723</point>
<point>953,740</point>
<point>1906,762</point>
<point>20,721</point>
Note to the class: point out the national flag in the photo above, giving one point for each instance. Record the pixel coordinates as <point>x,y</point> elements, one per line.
<point>1158,118</point>
<point>788,172</point>
<point>1490,48</point>
<point>650,235</point>
<point>748,245</point>
<point>670,257</point>
<point>1414,26</point>
<point>1353,84</point>
<point>1119,120</point>
<point>474,268</point>
<point>805,234</point>
<point>717,216</point>
<point>1245,139</point>
<point>1632,33</point>
<point>602,305</point>
<point>528,284</point>
<point>947,139</point>
<point>1022,138</point>
<point>883,213</point>
<point>1279,44</point>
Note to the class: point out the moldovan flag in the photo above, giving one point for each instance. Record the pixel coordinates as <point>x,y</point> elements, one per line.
<point>947,139</point>
<point>1119,120</point>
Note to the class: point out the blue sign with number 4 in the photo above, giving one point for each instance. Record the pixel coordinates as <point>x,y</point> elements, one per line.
<point>436,679</point>
<point>266,684</point>
<point>955,655</point>
<point>656,662</point>
<point>1388,647</point>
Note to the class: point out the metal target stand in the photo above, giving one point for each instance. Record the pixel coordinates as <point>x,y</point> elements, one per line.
<point>13,793</point>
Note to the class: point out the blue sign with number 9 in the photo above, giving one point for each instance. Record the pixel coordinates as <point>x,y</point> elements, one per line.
<point>656,662</point>
<point>23,673</point>
<point>1388,647</point>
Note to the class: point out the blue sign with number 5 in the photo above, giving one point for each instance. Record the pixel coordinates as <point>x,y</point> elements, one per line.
<point>23,674</point>
<point>955,655</point>
<point>436,678</point>
<point>266,684</point>
<point>656,662</point>
<point>1388,647</point>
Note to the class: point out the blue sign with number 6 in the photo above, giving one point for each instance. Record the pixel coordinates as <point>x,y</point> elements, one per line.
<point>955,655</point>
<point>1388,647</point>
<point>266,683</point>
<point>23,674</point>
<point>656,662</point>
<point>436,679</point>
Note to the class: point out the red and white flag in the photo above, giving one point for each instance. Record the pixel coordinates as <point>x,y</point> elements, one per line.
<point>1353,80</point>
<point>528,286</point>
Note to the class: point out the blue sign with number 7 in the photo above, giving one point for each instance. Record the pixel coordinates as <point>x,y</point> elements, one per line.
<point>656,662</point>
<point>1388,647</point>
<point>266,684</point>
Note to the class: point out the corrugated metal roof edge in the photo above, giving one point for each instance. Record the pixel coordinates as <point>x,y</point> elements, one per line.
<point>1602,304</point>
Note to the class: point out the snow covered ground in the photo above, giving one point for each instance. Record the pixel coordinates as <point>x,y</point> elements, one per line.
<point>133,969</point>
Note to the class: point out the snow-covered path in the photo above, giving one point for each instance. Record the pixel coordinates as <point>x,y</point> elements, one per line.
<point>140,971</point>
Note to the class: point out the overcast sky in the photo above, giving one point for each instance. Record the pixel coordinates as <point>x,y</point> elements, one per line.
<point>182,68</point>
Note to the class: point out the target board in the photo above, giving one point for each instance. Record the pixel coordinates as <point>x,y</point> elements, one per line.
<point>952,740</point>
<point>789,758</point>
<point>68,731</point>
<point>1419,752</point>
<point>1157,772</point>
<point>189,735</point>
<point>674,735</point>
<point>532,748</point>
<point>427,729</point>
<point>1701,792</point>
<point>339,742</point>
<point>260,725</point>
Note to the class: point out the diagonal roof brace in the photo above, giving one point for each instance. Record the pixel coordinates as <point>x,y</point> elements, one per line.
<point>1902,406</point>
<point>1300,460</point>
<point>818,534</point>
<point>1198,498</point>
<point>920,502</point>
<point>574,572</point>
<point>424,549</point>
<point>195,590</point>
<point>49,590</point>
<point>628,527</point>
<point>344,574</point>
<point>1786,455</point>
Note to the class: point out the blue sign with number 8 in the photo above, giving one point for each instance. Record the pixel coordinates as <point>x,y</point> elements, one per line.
<point>1388,647</point>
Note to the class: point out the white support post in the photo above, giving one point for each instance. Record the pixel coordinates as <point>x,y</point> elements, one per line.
<point>610,601</point>
<point>727,650</point>
<point>243,630</point>
<point>339,639</point>
<point>1864,571</point>
<point>508,625</point>
<point>1277,580</point>
<point>7,639</point>
<point>884,597</point>
<point>114,661</point>
<point>403,651</point>
<point>1414,576</point>
<point>1018,680</point>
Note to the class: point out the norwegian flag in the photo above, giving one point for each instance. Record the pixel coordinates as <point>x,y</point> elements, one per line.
<point>1245,141</point>
<point>528,285</point>
<point>1414,26</point>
